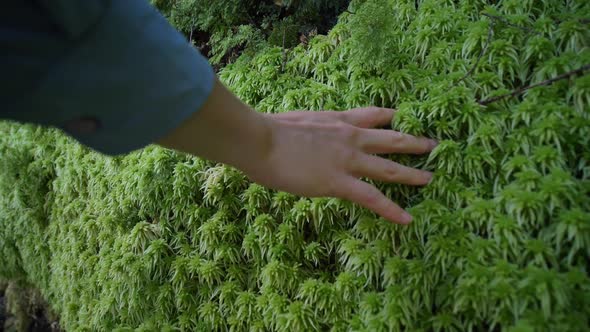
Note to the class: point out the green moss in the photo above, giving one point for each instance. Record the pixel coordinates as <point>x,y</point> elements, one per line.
<point>501,238</point>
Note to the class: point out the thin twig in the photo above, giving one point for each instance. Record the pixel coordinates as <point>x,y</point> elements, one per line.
<point>582,20</point>
<point>190,38</point>
<point>284,62</point>
<point>505,21</point>
<point>483,50</point>
<point>546,82</point>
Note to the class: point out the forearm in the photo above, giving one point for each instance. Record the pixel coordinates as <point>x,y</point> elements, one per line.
<point>224,130</point>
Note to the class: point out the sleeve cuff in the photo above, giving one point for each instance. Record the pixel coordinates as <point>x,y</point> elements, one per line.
<point>130,80</point>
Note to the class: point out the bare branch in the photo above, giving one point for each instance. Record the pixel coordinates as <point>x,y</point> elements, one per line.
<point>582,20</point>
<point>284,60</point>
<point>190,38</point>
<point>546,82</point>
<point>505,21</point>
<point>483,50</point>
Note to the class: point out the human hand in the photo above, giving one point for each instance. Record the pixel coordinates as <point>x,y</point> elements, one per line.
<point>319,154</point>
<point>310,154</point>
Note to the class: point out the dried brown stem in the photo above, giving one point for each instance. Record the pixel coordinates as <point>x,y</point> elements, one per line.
<point>284,60</point>
<point>528,87</point>
<point>483,51</point>
<point>505,21</point>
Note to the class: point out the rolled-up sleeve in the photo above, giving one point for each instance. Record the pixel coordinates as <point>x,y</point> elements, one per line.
<point>116,81</point>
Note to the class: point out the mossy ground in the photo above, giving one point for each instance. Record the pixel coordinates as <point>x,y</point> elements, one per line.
<point>156,240</point>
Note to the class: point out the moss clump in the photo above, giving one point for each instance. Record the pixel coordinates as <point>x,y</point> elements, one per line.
<point>500,241</point>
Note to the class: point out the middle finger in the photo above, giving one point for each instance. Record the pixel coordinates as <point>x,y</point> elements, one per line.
<point>386,170</point>
<point>380,141</point>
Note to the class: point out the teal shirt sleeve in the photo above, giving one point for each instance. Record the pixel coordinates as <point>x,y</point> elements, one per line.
<point>111,73</point>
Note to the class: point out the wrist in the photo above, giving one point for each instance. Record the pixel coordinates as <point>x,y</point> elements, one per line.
<point>254,156</point>
<point>225,130</point>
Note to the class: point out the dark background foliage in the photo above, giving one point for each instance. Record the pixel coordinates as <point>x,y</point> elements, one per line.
<point>224,29</point>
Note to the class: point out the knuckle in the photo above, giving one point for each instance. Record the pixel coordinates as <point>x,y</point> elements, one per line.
<point>347,116</point>
<point>396,137</point>
<point>351,157</point>
<point>350,134</point>
<point>391,172</point>
<point>371,198</point>
<point>350,160</point>
<point>425,144</point>
<point>332,188</point>
<point>381,112</point>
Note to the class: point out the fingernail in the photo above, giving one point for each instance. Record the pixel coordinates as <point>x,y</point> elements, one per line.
<point>406,218</point>
<point>433,143</point>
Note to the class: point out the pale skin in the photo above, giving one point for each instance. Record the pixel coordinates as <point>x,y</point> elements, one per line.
<point>311,154</point>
